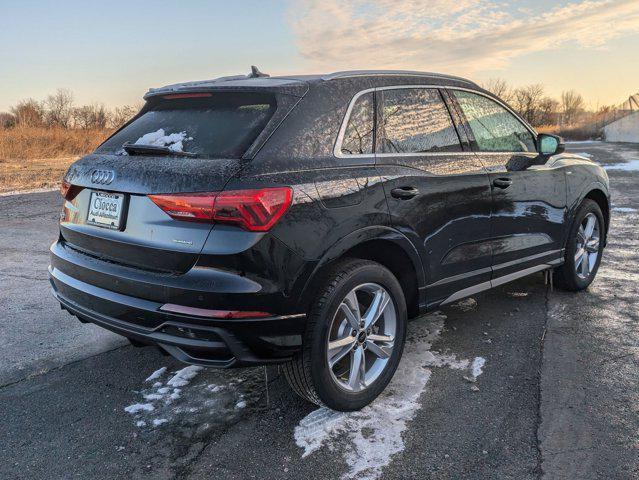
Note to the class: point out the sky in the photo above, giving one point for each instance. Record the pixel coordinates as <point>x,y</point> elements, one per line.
<point>112,52</point>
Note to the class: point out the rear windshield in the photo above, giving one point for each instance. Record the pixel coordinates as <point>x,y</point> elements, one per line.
<point>220,125</point>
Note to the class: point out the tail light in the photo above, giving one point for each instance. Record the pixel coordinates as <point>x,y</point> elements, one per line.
<point>69,191</point>
<point>253,210</point>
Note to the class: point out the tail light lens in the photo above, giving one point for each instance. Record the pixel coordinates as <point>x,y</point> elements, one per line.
<point>69,191</point>
<point>253,210</point>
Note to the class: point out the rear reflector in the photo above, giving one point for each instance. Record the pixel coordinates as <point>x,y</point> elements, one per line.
<point>205,312</point>
<point>253,210</point>
<point>69,191</point>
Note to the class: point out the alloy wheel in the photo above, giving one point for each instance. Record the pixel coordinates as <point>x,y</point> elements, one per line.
<point>361,344</point>
<point>587,248</point>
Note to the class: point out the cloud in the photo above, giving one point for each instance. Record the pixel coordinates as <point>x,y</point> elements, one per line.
<point>461,35</point>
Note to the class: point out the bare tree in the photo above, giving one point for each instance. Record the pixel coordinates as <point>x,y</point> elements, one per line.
<point>547,114</point>
<point>28,113</point>
<point>526,101</point>
<point>572,105</point>
<point>59,108</point>
<point>120,115</point>
<point>500,88</point>
<point>90,116</point>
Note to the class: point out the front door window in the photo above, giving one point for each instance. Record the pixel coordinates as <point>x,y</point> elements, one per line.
<point>495,129</point>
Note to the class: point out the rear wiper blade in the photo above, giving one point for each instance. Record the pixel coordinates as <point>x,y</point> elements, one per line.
<point>140,149</point>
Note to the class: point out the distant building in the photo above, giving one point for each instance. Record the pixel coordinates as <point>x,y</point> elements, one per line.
<point>625,129</point>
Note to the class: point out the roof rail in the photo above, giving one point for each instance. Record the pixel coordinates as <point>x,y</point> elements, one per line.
<point>408,73</point>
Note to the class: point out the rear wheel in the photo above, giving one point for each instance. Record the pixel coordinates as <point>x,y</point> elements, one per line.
<point>354,337</point>
<point>583,249</point>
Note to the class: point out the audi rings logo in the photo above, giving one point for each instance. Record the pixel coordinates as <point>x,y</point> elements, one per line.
<point>103,177</point>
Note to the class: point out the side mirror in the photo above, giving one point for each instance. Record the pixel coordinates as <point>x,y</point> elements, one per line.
<point>550,144</point>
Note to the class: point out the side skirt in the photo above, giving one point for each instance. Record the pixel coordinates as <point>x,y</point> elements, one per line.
<point>495,282</point>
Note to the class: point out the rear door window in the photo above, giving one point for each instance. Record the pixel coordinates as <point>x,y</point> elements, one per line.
<point>414,120</point>
<point>221,125</point>
<point>358,136</point>
<point>495,129</point>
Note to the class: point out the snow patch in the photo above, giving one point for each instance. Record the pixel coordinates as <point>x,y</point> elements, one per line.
<point>155,375</point>
<point>624,209</point>
<point>177,398</point>
<point>476,368</point>
<point>139,407</point>
<point>23,192</point>
<point>434,359</point>
<point>174,141</point>
<point>183,377</point>
<point>631,165</point>
<point>153,396</point>
<point>374,434</point>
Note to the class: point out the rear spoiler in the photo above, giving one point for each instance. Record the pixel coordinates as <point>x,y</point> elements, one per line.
<point>283,86</point>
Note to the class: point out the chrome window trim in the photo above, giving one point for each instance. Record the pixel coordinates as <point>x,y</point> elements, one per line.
<point>337,148</point>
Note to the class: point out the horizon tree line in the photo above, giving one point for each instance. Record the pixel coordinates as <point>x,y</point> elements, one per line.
<point>58,110</point>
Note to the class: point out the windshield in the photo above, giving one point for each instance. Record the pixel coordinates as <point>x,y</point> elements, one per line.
<point>220,125</point>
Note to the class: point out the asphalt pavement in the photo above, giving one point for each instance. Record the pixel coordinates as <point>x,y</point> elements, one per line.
<point>519,382</point>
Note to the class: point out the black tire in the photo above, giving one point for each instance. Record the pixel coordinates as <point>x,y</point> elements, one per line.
<point>566,277</point>
<point>308,373</point>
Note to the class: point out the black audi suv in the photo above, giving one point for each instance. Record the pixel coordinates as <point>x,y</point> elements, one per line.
<point>303,220</point>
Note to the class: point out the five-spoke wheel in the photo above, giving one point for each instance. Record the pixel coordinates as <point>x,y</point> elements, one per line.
<point>354,337</point>
<point>583,248</point>
<point>361,336</point>
<point>587,250</point>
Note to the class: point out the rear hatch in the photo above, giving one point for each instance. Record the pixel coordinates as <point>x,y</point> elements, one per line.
<point>178,143</point>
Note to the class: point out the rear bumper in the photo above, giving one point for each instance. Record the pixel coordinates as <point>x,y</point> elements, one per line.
<point>197,340</point>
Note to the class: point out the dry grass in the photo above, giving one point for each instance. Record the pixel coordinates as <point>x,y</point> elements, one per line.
<point>28,143</point>
<point>572,132</point>
<point>17,175</point>
<point>38,157</point>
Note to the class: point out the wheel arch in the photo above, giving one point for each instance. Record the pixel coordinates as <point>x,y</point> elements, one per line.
<point>598,196</point>
<point>596,192</point>
<point>383,245</point>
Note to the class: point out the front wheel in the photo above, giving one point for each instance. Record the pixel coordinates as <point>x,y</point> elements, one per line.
<point>354,337</point>
<point>583,249</point>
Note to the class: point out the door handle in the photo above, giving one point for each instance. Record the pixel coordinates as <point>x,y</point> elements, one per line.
<point>404,193</point>
<point>502,182</point>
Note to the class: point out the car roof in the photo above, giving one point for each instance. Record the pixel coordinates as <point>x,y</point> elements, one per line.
<point>379,73</point>
<point>298,84</point>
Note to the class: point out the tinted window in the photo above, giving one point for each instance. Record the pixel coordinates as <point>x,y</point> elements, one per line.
<point>358,137</point>
<point>495,128</point>
<point>223,125</point>
<point>415,120</point>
